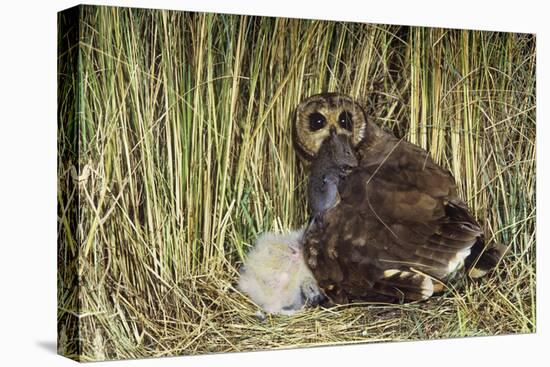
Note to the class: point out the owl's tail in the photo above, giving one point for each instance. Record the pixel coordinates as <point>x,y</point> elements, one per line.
<point>483,259</point>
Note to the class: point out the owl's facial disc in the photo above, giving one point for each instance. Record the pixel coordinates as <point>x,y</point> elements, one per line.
<point>317,115</point>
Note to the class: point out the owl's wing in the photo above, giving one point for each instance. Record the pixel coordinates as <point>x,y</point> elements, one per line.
<point>398,228</point>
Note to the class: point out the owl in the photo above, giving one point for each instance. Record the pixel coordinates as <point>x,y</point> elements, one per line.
<point>399,232</point>
<point>275,276</point>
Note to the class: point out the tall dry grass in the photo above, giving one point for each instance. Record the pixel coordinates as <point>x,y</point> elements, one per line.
<point>175,153</point>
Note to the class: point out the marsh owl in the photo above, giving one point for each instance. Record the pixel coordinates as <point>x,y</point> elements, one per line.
<point>399,231</point>
<point>275,276</point>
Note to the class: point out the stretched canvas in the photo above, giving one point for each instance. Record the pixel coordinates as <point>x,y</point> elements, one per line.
<point>198,214</point>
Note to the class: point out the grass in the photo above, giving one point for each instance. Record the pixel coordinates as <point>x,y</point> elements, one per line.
<point>175,153</point>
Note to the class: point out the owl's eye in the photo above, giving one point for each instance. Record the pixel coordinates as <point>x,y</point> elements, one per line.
<point>345,120</point>
<point>316,121</point>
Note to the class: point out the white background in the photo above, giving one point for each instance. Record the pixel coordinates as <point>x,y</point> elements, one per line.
<point>28,182</point>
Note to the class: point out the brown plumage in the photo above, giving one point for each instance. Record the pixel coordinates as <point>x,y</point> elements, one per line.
<point>399,231</point>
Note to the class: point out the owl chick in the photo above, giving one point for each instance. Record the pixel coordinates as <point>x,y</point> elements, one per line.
<point>332,163</point>
<point>276,277</point>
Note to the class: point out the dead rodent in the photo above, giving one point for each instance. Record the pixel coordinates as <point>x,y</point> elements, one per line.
<point>333,162</point>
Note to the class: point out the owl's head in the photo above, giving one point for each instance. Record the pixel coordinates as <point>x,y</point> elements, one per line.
<point>320,114</point>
